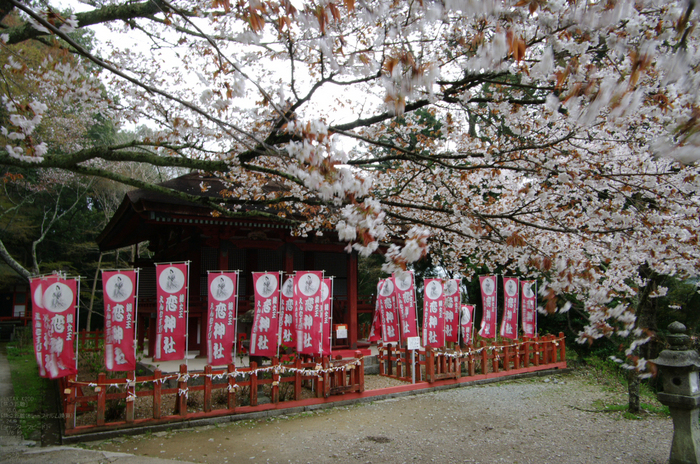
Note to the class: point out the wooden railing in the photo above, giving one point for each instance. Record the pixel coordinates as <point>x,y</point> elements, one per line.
<point>236,389</point>
<point>484,359</point>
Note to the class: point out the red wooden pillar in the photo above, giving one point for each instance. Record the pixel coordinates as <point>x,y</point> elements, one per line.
<point>101,390</point>
<point>157,398</point>
<point>506,357</point>
<point>536,353</point>
<point>352,300</point>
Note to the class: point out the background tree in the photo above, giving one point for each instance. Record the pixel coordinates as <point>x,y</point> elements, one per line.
<point>567,129</point>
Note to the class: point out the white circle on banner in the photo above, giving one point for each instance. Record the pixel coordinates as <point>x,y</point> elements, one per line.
<point>38,296</point>
<point>466,315</point>
<point>309,284</point>
<point>288,287</point>
<point>266,285</point>
<point>387,288</point>
<point>119,287</point>
<point>221,288</point>
<point>325,291</point>
<point>434,289</point>
<point>511,288</point>
<point>171,280</point>
<point>527,290</point>
<point>488,286</point>
<point>451,287</point>
<point>403,280</point>
<point>58,297</point>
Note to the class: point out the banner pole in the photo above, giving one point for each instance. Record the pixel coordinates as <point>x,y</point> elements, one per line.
<point>235,324</point>
<point>187,315</point>
<point>77,344</point>
<point>279,312</point>
<point>136,314</point>
<point>330,308</point>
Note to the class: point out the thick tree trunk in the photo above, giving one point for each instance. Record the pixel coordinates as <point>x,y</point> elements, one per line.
<point>633,391</point>
<point>646,319</point>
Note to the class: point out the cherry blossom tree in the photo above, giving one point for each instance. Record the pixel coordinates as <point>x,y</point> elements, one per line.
<point>554,139</point>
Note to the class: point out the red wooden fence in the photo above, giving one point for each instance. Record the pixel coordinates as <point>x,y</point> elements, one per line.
<point>95,399</point>
<point>482,360</point>
<point>116,403</point>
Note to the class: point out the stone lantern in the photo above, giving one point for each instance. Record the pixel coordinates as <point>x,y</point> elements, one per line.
<point>679,368</point>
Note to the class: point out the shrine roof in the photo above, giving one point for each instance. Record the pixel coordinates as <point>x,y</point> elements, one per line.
<point>130,223</point>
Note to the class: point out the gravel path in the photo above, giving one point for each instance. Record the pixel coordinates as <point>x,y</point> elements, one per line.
<point>550,420</point>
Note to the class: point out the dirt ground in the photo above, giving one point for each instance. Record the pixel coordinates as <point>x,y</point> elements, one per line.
<point>556,419</point>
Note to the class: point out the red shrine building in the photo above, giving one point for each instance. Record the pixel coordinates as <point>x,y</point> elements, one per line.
<point>178,230</point>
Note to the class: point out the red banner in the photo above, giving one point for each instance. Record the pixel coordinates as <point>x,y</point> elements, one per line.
<point>489,302</point>
<point>453,304</point>
<point>529,308</point>
<point>466,323</point>
<point>222,316</point>
<point>376,329</point>
<point>289,329</point>
<point>406,302</point>
<point>509,324</point>
<point>307,299</point>
<point>265,331</point>
<point>391,330</point>
<point>120,293</point>
<point>434,314</point>
<point>172,311</point>
<point>54,325</point>
<point>37,292</point>
<point>326,299</point>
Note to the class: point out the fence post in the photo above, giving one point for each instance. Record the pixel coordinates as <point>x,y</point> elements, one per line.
<point>430,364</point>
<point>380,355</point>
<point>231,387</point>
<point>182,392</point>
<point>506,357</point>
<point>101,397</point>
<point>157,398</point>
<point>69,401</point>
<point>274,388</point>
<point>130,398</point>
<point>484,358</point>
<point>389,365</point>
<point>297,379</point>
<point>207,388</point>
<point>471,362</point>
<point>536,351</point>
<point>360,375</point>
<point>253,383</point>
<point>562,347</point>
<point>326,377</point>
<point>548,345</point>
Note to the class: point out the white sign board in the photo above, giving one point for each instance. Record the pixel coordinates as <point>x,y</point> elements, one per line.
<point>413,343</point>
